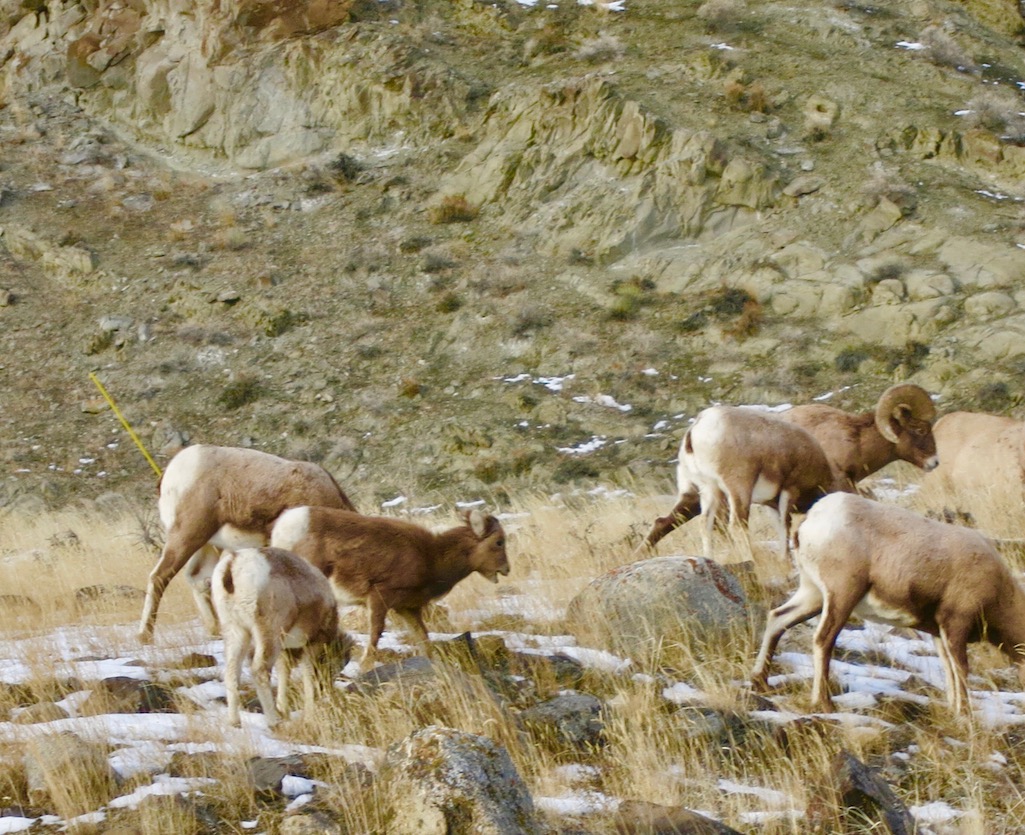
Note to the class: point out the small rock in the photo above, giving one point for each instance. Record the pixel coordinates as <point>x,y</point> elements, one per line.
<point>310,823</point>
<point>121,694</point>
<point>568,719</point>
<point>110,324</point>
<point>267,773</point>
<point>638,817</point>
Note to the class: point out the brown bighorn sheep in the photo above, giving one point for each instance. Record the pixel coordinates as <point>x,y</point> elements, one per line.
<point>979,454</point>
<point>213,497</point>
<point>856,556</point>
<point>269,600</point>
<point>747,456</point>
<point>898,429</point>
<point>389,564</point>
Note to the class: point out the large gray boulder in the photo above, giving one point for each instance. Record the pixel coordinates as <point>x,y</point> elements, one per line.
<point>442,781</point>
<point>635,609</point>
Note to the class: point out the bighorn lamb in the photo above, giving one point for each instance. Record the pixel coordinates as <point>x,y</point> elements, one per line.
<point>898,429</point>
<point>390,564</point>
<point>979,453</point>
<point>856,556</point>
<point>222,497</point>
<point>747,456</point>
<point>269,600</point>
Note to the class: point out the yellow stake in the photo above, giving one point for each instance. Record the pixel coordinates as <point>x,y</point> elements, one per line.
<point>125,424</point>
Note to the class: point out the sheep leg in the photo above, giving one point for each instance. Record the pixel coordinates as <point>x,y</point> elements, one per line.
<point>688,506</point>
<point>377,611</point>
<point>952,645</point>
<point>181,544</point>
<point>265,653</point>
<point>415,621</point>
<point>236,648</point>
<point>283,673</point>
<point>198,571</point>
<point>803,605</point>
<point>740,515</point>
<point>307,667</point>
<point>711,503</point>
<point>784,510</point>
<point>836,609</point>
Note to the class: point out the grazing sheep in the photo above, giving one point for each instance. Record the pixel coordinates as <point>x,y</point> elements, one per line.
<point>269,600</point>
<point>856,556</point>
<point>898,429</point>
<point>214,497</point>
<point>389,564</point>
<point>980,455</point>
<point>747,456</point>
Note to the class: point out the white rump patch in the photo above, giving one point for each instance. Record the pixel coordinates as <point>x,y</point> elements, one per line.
<point>290,527</point>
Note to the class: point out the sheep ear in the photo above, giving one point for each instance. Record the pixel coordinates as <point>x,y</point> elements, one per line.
<point>478,523</point>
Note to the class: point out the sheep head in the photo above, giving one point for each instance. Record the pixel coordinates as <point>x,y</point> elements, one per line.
<point>488,557</point>
<point>904,416</point>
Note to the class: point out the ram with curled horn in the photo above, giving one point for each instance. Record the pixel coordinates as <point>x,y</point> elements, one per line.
<point>898,429</point>
<point>857,445</point>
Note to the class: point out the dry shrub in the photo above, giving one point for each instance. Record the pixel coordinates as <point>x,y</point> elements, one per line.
<point>998,111</point>
<point>605,47</point>
<point>231,238</point>
<point>454,208</point>
<point>718,14</point>
<point>751,98</point>
<point>943,50</point>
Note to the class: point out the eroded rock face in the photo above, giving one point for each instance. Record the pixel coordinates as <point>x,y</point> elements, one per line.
<point>446,782</point>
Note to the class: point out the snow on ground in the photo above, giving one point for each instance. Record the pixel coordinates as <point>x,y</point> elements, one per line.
<point>904,666</point>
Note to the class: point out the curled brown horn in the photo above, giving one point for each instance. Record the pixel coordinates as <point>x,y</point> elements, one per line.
<point>904,396</point>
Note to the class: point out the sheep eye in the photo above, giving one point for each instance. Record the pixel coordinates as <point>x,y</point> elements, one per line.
<point>500,543</point>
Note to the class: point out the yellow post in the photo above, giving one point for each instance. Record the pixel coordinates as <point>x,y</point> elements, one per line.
<point>125,424</point>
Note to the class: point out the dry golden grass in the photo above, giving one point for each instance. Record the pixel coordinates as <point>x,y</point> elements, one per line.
<point>714,756</point>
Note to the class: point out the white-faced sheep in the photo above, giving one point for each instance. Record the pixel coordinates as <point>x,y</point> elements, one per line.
<point>898,429</point>
<point>980,454</point>
<point>269,600</point>
<point>856,556</point>
<point>213,497</point>
<point>389,564</point>
<point>747,456</point>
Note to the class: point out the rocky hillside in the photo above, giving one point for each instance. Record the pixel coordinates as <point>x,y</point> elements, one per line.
<point>450,245</point>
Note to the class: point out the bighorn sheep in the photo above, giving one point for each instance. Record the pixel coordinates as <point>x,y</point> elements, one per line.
<point>885,563</point>
<point>979,453</point>
<point>269,600</point>
<point>747,456</point>
<point>214,497</point>
<point>898,429</point>
<point>390,564</point>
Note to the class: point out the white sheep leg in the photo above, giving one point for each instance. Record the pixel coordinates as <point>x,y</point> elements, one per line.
<point>283,673</point>
<point>198,571</point>
<point>236,648</point>
<point>265,652</point>
<point>803,605</point>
